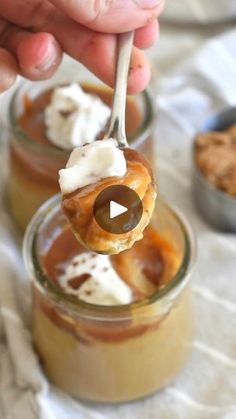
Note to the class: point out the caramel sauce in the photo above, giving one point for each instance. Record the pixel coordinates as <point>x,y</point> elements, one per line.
<point>147,267</point>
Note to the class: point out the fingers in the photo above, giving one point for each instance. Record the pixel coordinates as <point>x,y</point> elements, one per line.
<point>146,36</point>
<point>8,70</point>
<point>111,16</point>
<point>38,55</point>
<point>97,52</point>
<point>139,73</point>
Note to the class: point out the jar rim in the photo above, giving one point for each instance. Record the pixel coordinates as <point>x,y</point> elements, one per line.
<point>171,290</point>
<point>136,139</point>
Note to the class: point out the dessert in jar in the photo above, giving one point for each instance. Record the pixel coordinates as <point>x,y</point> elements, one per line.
<point>110,328</point>
<point>46,122</point>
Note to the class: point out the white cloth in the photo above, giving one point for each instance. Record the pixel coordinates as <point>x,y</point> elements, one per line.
<point>206,388</point>
<point>200,11</point>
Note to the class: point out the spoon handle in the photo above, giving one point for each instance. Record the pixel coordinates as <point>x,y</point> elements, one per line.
<point>116,127</point>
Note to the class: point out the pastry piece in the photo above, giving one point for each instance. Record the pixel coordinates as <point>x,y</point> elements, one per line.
<point>89,171</point>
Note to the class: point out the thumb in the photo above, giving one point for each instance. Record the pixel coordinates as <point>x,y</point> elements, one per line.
<point>112,16</point>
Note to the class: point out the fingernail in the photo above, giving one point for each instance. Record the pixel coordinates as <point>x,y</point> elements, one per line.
<point>148,4</point>
<point>50,60</point>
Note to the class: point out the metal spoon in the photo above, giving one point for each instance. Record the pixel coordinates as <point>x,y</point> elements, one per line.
<point>116,128</point>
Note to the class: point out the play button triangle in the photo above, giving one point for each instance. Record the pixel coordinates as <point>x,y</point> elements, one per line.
<point>116,209</point>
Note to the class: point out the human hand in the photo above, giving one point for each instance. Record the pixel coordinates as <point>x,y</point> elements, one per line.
<point>35,33</point>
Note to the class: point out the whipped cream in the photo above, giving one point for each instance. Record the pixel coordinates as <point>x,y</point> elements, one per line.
<point>91,163</point>
<point>104,286</point>
<point>74,118</point>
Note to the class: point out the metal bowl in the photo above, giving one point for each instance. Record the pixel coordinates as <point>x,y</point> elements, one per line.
<point>215,206</point>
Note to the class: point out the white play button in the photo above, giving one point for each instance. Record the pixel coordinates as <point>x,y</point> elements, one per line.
<point>116,209</point>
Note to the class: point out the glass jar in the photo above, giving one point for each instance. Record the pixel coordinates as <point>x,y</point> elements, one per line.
<point>116,353</point>
<point>34,165</point>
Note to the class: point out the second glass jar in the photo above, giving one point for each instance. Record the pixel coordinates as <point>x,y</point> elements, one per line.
<point>34,162</point>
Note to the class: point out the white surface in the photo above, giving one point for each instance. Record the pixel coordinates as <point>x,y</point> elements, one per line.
<point>206,388</point>
<point>104,287</point>
<point>200,11</point>
<point>116,209</point>
<point>86,116</point>
<point>91,163</point>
